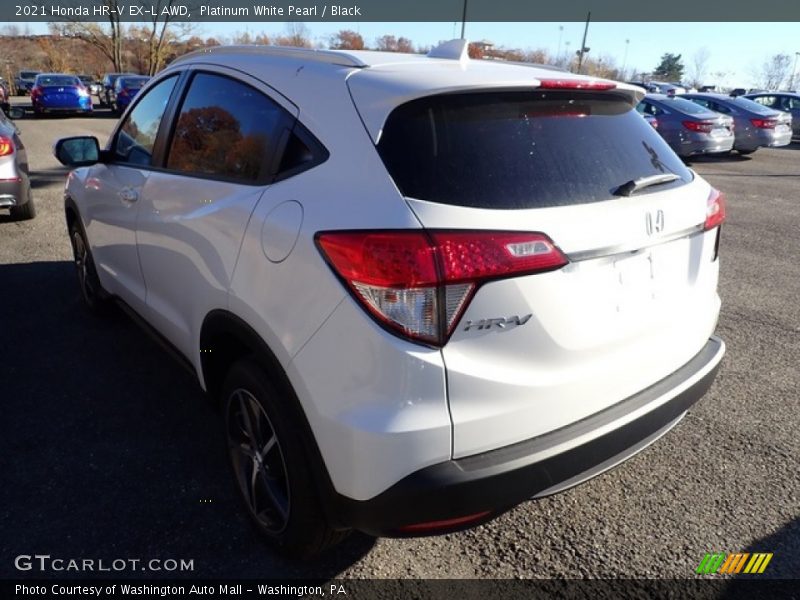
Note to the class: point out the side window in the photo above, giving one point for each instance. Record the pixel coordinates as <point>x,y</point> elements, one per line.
<point>764,100</point>
<point>137,136</point>
<point>703,102</point>
<point>720,108</point>
<point>225,129</point>
<point>794,103</point>
<point>650,109</point>
<point>302,152</point>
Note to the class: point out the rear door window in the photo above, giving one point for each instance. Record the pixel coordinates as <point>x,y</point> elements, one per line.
<point>226,129</point>
<point>508,150</point>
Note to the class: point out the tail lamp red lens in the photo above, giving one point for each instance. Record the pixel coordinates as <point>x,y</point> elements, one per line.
<point>36,91</point>
<point>701,126</point>
<point>715,210</point>
<point>417,283</point>
<point>764,123</point>
<point>576,84</point>
<point>6,146</point>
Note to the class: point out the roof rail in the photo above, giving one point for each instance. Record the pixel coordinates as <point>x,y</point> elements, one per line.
<point>333,57</point>
<point>454,50</point>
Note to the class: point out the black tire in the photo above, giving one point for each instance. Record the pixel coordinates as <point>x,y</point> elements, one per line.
<point>277,488</point>
<point>94,296</point>
<point>24,212</point>
<point>746,152</point>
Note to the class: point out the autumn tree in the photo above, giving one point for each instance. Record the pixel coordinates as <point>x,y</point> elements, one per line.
<point>161,32</point>
<point>347,39</point>
<point>670,68</point>
<point>390,43</point>
<point>297,34</point>
<point>56,60</point>
<point>107,39</point>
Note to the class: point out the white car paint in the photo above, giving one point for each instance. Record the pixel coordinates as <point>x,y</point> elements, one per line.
<point>382,407</point>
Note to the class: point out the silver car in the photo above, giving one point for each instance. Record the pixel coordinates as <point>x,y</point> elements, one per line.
<point>788,102</point>
<point>687,127</point>
<point>15,185</point>
<point>755,124</point>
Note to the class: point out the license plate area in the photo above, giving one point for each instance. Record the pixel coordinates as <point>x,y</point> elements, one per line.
<point>635,281</point>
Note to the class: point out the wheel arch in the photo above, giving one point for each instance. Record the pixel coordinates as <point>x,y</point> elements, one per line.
<point>70,210</point>
<point>224,339</point>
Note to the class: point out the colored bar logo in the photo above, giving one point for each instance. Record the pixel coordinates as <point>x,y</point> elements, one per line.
<point>719,562</point>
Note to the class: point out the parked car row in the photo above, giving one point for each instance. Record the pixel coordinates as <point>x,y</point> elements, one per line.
<point>704,123</point>
<point>65,93</point>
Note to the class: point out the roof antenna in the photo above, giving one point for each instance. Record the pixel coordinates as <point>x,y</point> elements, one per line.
<point>453,49</point>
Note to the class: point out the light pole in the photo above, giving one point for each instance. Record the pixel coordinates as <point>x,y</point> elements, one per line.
<point>464,20</point>
<point>794,70</point>
<point>584,49</point>
<point>560,33</point>
<point>625,59</point>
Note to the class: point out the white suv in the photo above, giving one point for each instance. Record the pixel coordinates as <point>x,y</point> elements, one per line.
<point>423,288</point>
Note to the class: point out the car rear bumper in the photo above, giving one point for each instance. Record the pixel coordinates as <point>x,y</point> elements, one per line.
<point>13,193</point>
<point>705,144</point>
<point>59,107</point>
<point>464,492</point>
<point>762,138</point>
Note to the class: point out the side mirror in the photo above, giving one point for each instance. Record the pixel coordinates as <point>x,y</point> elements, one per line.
<point>16,112</point>
<point>77,151</point>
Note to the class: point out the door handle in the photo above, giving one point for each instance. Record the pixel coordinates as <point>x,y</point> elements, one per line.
<point>128,195</point>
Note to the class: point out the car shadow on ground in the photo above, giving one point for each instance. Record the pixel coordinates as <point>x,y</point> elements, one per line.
<point>715,158</point>
<point>97,113</point>
<point>779,579</point>
<point>112,450</point>
<point>47,177</point>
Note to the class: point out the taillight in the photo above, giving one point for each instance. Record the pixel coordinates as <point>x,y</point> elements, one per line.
<point>701,126</point>
<point>36,91</point>
<point>764,123</point>
<point>123,92</point>
<point>715,210</point>
<point>418,283</point>
<point>576,84</point>
<point>6,146</point>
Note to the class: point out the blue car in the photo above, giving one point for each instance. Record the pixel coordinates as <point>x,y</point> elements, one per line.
<point>125,89</point>
<point>59,93</point>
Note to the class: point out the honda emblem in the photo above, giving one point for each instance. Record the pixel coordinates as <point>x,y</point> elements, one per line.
<point>654,222</point>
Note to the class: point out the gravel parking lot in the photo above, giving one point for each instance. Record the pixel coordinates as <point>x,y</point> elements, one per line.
<point>110,450</point>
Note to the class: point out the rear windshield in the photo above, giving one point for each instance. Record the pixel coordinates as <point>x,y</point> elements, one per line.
<point>509,150</point>
<point>133,83</point>
<point>62,80</point>
<point>748,104</point>
<point>28,74</point>
<point>683,105</point>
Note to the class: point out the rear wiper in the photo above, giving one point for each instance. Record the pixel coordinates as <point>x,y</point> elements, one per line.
<point>634,185</point>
